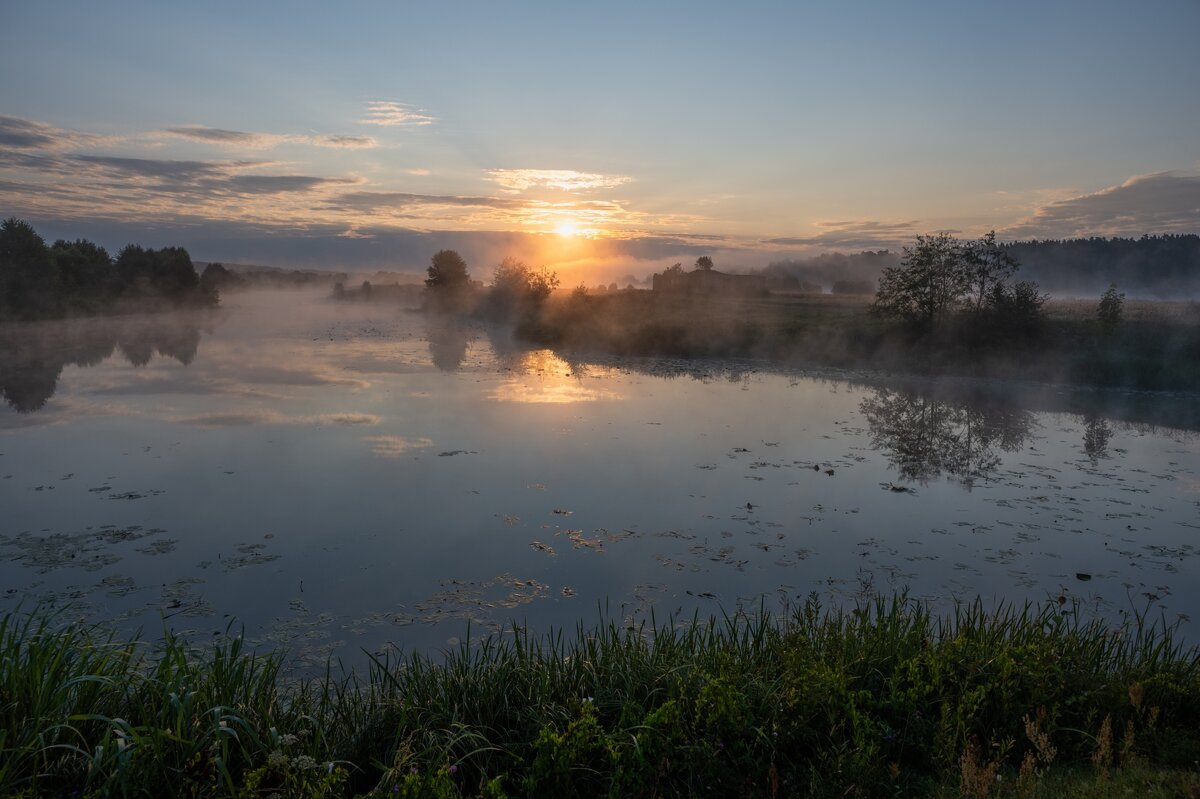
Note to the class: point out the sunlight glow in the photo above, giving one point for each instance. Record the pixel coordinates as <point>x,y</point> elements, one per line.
<point>567,229</point>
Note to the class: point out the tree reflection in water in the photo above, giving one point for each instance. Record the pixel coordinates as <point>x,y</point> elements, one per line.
<point>926,436</point>
<point>1096,434</point>
<point>449,337</point>
<point>33,354</point>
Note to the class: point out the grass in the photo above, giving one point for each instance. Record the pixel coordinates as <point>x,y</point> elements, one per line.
<point>886,699</point>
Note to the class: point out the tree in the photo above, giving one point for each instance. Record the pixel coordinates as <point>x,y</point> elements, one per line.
<point>516,287</point>
<point>704,263</point>
<point>1110,309</point>
<point>85,271</point>
<point>447,271</point>
<point>988,265</point>
<point>29,283</point>
<point>448,284</point>
<point>932,277</point>
<point>158,274</point>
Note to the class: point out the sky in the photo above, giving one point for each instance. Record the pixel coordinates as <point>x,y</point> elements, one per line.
<point>599,139</point>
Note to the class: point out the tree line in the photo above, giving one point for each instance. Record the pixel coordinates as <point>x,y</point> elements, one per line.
<point>1160,266</point>
<point>1152,266</point>
<point>80,278</point>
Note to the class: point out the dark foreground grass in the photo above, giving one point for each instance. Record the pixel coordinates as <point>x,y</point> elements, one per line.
<point>885,700</point>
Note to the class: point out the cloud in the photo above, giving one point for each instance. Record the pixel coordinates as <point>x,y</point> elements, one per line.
<point>1161,202</point>
<point>274,184</point>
<point>382,112</point>
<point>27,134</point>
<point>854,234</point>
<point>220,136</point>
<point>561,179</point>
<point>155,168</point>
<point>266,416</point>
<point>345,142</point>
<point>396,446</point>
<point>374,200</point>
<point>238,138</point>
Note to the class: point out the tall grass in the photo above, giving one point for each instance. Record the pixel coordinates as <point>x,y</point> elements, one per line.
<point>884,698</point>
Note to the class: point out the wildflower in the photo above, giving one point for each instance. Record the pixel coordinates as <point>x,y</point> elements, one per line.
<point>277,759</point>
<point>304,763</point>
<point>453,770</point>
<point>287,739</point>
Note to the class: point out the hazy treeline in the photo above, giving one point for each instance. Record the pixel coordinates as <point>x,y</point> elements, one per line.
<point>852,273</point>
<point>1151,266</point>
<point>80,278</point>
<point>235,277</point>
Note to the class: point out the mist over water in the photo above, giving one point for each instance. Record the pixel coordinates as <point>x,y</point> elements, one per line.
<point>345,477</point>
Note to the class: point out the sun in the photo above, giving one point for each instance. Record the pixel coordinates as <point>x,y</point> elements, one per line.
<point>567,229</point>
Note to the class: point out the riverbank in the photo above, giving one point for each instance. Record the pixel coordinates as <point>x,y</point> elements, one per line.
<point>884,700</point>
<point>1156,347</point>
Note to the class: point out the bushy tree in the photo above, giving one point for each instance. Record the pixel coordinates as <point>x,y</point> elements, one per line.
<point>704,264</point>
<point>29,280</point>
<point>1111,309</point>
<point>940,275</point>
<point>448,287</point>
<point>447,271</point>
<point>168,273</point>
<point>1012,311</point>
<point>928,284</point>
<point>85,273</point>
<point>988,265</point>
<point>519,288</point>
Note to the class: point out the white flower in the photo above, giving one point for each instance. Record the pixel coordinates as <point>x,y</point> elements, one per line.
<point>277,759</point>
<point>287,739</point>
<point>304,763</point>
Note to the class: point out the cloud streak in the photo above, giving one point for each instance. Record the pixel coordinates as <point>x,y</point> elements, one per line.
<point>518,180</point>
<point>392,114</point>
<point>854,234</point>
<point>261,141</point>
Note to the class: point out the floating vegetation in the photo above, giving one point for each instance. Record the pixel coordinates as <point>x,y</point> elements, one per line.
<point>248,555</point>
<point>88,550</point>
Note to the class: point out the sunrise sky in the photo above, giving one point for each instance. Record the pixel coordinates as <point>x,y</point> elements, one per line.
<point>601,138</point>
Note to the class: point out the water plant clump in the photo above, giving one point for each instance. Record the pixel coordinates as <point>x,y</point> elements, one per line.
<point>887,698</point>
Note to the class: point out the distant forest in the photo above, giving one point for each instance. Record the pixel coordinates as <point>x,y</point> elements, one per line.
<point>1153,266</point>
<point>79,278</point>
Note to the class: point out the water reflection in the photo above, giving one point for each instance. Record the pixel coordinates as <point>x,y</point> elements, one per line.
<point>33,355</point>
<point>925,437</point>
<point>449,337</point>
<point>1096,434</point>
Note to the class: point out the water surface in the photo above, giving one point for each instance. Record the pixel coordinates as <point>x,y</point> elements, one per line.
<point>339,478</point>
